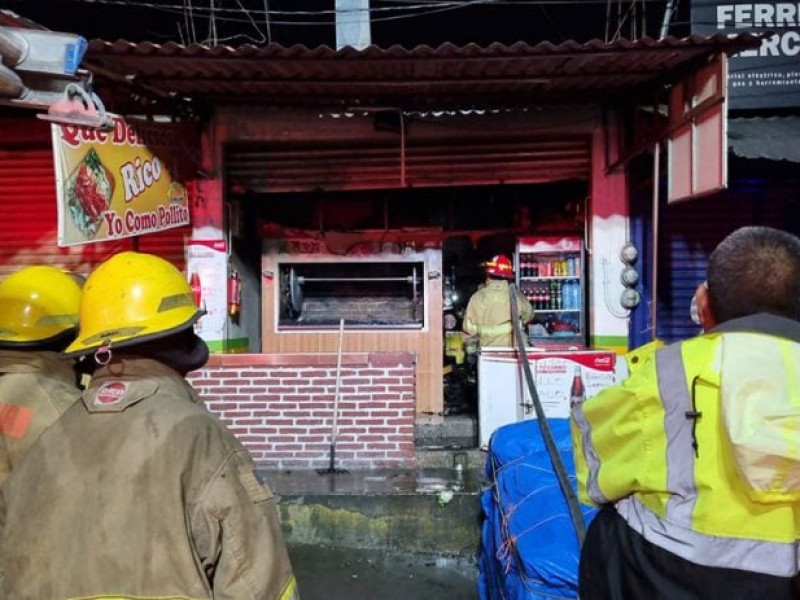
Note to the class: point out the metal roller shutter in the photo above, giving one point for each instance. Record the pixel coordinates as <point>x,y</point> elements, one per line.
<point>28,212</point>
<point>692,230</point>
<point>325,166</point>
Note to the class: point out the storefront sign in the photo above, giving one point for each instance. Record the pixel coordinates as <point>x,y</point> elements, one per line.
<point>122,183</point>
<point>767,76</point>
<point>207,270</point>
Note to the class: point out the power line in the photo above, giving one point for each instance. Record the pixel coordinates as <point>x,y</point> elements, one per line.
<point>419,5</point>
<point>315,13</point>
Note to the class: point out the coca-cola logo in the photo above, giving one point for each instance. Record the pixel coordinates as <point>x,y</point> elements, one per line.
<point>111,393</point>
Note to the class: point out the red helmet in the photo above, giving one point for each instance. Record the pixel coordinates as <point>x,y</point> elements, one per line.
<point>499,266</point>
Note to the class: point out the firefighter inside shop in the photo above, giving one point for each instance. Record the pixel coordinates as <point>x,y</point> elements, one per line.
<point>488,316</point>
<point>485,323</point>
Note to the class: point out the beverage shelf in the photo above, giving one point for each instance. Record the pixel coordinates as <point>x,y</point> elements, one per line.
<point>551,278</point>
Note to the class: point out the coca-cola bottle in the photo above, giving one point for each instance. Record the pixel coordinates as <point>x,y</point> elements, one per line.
<point>577,392</point>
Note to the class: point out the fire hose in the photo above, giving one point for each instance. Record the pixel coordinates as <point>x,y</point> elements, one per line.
<point>547,435</point>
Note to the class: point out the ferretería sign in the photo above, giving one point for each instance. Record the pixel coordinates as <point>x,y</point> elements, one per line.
<point>768,76</point>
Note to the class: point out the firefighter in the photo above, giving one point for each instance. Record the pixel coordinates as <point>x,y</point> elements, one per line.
<point>488,315</point>
<point>138,491</point>
<point>38,319</point>
<point>694,459</point>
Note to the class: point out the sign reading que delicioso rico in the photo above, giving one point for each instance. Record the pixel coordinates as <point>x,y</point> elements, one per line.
<point>125,182</point>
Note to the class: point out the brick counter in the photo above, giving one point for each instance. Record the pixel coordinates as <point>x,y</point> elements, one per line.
<point>280,406</point>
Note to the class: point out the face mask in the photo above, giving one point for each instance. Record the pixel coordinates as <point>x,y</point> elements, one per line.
<point>695,316</point>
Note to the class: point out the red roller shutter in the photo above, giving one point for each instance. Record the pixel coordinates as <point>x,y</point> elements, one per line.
<point>28,210</point>
<point>313,165</point>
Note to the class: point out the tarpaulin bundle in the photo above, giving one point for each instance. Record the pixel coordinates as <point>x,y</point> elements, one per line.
<point>529,548</point>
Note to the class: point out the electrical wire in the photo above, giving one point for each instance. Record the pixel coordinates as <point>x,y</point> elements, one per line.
<point>315,13</point>
<point>178,10</point>
<point>266,21</point>
<point>424,8</point>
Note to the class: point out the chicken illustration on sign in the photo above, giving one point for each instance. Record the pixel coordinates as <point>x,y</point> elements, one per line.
<point>89,192</point>
<point>125,182</point>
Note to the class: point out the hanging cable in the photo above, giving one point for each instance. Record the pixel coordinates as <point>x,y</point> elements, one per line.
<point>266,21</point>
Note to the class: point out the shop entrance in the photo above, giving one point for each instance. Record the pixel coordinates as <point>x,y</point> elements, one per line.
<point>461,226</point>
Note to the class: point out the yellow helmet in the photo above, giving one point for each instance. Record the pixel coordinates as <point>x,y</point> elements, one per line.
<point>38,305</point>
<point>132,298</point>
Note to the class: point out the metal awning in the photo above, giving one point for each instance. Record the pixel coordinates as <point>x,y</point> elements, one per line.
<point>423,77</point>
<point>771,138</point>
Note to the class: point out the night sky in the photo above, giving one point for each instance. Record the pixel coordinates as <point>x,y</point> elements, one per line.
<point>404,22</point>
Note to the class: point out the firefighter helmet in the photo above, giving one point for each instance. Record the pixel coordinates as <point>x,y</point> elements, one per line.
<point>38,305</point>
<point>132,298</point>
<point>499,266</point>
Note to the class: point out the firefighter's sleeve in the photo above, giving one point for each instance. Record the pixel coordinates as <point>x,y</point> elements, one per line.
<point>237,535</point>
<point>618,438</point>
<point>525,309</point>
<point>470,323</point>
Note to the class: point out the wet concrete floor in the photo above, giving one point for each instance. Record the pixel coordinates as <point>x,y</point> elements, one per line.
<point>326,573</point>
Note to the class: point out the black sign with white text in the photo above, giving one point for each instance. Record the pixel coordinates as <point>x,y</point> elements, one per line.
<point>764,77</point>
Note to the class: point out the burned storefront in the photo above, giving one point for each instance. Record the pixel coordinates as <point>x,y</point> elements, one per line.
<point>354,194</point>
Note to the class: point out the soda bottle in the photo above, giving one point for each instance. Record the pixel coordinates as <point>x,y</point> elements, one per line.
<point>577,393</point>
<point>566,295</point>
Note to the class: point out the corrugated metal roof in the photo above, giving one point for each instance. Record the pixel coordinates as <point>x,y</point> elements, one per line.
<point>772,138</point>
<point>422,77</point>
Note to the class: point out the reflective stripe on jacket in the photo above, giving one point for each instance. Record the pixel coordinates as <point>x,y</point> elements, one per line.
<point>35,389</point>
<point>700,447</point>
<point>488,314</point>
<point>139,492</point>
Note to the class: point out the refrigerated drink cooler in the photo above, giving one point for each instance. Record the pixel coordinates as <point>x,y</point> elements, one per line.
<point>562,379</point>
<point>550,273</point>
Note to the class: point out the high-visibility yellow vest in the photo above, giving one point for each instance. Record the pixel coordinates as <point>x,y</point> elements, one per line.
<point>700,450</point>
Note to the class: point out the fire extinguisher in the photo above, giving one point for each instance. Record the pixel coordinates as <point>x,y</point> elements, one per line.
<point>197,290</point>
<point>234,295</point>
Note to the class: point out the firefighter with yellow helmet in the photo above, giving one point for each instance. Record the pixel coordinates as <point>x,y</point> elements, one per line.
<point>488,314</point>
<point>695,458</point>
<point>38,319</point>
<point>150,496</point>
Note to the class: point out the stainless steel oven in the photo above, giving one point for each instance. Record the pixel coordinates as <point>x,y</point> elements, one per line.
<point>367,294</point>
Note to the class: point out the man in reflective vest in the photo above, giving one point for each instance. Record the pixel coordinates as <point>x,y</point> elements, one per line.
<point>38,319</point>
<point>488,314</point>
<point>695,458</point>
<point>137,491</point>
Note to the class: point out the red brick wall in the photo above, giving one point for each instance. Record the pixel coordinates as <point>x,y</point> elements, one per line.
<point>280,406</point>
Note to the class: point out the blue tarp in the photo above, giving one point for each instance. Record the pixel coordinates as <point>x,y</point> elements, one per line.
<point>529,547</point>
